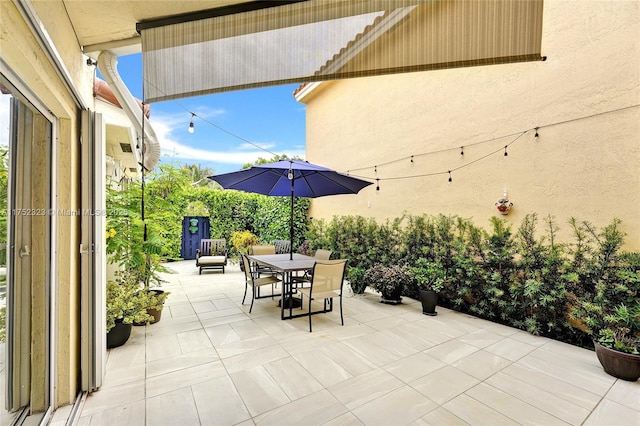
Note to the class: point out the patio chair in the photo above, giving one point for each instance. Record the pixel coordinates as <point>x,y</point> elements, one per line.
<point>263,249</point>
<point>212,254</point>
<point>320,254</point>
<point>282,246</point>
<point>255,282</point>
<point>326,283</point>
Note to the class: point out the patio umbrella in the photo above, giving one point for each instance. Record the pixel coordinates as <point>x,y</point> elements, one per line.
<point>292,178</point>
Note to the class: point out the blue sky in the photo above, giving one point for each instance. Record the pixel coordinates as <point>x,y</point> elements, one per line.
<point>268,117</point>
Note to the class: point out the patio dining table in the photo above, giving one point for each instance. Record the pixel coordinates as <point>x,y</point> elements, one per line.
<point>286,266</point>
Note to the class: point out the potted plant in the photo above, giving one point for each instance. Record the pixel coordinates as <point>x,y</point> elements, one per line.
<point>241,241</point>
<point>430,278</point>
<point>612,318</point>
<point>124,307</point>
<point>135,248</point>
<point>355,276</point>
<point>389,281</point>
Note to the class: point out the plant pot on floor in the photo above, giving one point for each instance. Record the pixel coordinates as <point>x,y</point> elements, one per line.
<point>392,298</point>
<point>618,364</point>
<point>429,300</point>
<point>118,335</point>
<point>154,312</point>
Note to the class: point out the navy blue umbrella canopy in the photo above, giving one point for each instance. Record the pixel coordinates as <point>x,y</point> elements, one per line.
<point>307,180</point>
<point>291,178</point>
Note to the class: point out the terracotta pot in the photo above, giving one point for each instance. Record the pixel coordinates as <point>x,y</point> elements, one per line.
<point>618,364</point>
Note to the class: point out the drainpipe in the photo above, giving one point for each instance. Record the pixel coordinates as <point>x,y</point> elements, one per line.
<point>108,66</point>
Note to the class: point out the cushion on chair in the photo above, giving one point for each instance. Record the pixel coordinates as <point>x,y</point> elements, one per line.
<point>212,260</point>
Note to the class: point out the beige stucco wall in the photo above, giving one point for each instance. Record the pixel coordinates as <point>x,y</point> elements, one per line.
<point>21,51</point>
<point>585,163</point>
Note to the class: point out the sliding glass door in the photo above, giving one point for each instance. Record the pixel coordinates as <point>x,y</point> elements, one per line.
<point>26,136</point>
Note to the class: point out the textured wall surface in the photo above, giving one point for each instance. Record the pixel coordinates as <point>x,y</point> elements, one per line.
<point>584,98</point>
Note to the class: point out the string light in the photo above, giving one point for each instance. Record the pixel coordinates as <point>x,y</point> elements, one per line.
<point>191,125</point>
<point>450,178</point>
<point>412,159</point>
<point>378,184</point>
<point>462,150</point>
<point>505,150</point>
<point>536,135</point>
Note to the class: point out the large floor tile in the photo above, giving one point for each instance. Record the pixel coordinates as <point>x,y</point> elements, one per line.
<point>552,387</point>
<point>112,398</point>
<point>252,359</point>
<point>400,407</point>
<point>245,346</point>
<point>439,416</point>
<point>481,364</point>
<point>370,349</point>
<point>625,393</point>
<point>127,414</point>
<point>512,407</point>
<point>361,389</point>
<point>194,341</point>
<point>324,369</point>
<point>451,351</point>
<point>554,404</point>
<point>173,408</point>
<point>219,403</point>
<point>413,367</point>
<point>185,377</point>
<point>444,384</point>
<point>474,412</point>
<point>611,413</point>
<point>592,379</point>
<point>181,362</point>
<point>315,409</point>
<point>293,379</point>
<point>510,349</point>
<point>259,391</point>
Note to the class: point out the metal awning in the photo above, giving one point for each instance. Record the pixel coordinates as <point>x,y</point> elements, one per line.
<point>318,40</point>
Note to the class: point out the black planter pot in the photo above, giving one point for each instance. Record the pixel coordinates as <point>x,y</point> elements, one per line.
<point>392,298</point>
<point>118,335</point>
<point>429,300</point>
<point>618,364</point>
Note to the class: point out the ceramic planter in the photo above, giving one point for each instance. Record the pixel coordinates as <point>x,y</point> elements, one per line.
<point>118,335</point>
<point>392,297</point>
<point>429,300</point>
<point>618,364</point>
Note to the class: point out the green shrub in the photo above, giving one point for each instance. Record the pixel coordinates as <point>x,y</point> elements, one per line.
<point>526,279</point>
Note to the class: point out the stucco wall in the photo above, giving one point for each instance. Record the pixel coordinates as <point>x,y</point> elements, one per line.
<point>584,99</point>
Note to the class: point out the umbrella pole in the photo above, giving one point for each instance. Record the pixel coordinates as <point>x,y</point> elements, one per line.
<point>291,225</point>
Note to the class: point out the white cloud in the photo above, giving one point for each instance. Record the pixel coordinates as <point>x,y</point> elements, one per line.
<point>165,125</point>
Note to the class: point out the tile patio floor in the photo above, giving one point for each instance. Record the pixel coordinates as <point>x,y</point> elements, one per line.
<point>210,362</point>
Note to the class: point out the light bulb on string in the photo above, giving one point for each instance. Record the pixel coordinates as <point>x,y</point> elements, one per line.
<point>536,135</point>
<point>450,178</point>
<point>191,125</point>
<point>505,150</point>
<point>378,184</point>
<point>290,175</point>
<point>412,160</point>
<point>462,150</point>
